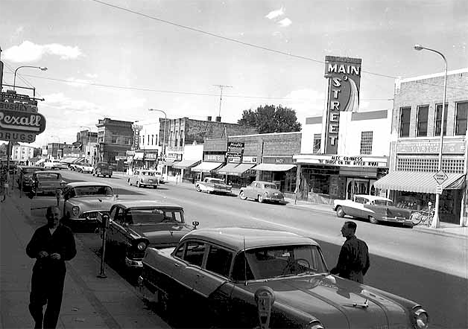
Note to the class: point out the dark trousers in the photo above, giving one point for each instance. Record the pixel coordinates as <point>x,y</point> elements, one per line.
<point>46,288</point>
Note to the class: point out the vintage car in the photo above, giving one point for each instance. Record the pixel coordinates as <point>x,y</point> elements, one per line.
<point>85,168</point>
<point>82,201</point>
<point>55,165</point>
<point>143,178</point>
<point>25,176</point>
<point>262,192</point>
<point>160,177</point>
<point>213,185</point>
<point>373,208</point>
<point>248,278</point>
<point>102,169</point>
<point>46,182</point>
<point>135,225</point>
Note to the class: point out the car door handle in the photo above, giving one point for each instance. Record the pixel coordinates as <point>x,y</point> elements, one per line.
<point>176,265</point>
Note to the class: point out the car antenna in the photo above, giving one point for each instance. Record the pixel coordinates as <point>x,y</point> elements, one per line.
<point>245,264</point>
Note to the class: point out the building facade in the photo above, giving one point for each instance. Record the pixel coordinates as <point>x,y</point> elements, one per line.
<point>115,138</point>
<point>22,153</point>
<point>416,144</point>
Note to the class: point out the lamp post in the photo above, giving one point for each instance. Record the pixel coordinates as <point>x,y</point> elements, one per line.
<point>42,68</point>
<point>436,219</point>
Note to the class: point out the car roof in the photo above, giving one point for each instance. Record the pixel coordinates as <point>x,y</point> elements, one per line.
<point>31,167</point>
<point>83,184</point>
<point>47,172</point>
<point>240,238</point>
<point>372,197</point>
<point>145,204</point>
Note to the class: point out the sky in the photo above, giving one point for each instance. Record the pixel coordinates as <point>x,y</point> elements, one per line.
<point>119,58</point>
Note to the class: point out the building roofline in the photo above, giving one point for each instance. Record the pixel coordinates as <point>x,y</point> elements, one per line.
<point>434,75</point>
<point>253,135</point>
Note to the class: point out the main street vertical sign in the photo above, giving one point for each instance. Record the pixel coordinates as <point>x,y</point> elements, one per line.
<point>344,78</point>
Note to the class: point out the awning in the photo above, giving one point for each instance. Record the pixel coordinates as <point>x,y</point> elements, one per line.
<point>168,162</point>
<point>184,164</point>
<point>227,169</point>
<point>206,166</point>
<point>242,168</point>
<point>274,167</point>
<point>422,182</point>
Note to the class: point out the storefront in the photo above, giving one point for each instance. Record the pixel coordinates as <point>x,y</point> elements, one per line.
<point>239,174</point>
<point>183,168</point>
<point>278,170</point>
<point>206,169</point>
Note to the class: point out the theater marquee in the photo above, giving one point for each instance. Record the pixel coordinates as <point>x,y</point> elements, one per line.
<point>344,78</point>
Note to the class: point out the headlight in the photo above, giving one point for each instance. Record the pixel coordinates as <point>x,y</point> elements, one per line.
<point>314,325</point>
<point>421,318</point>
<point>141,246</point>
<point>75,210</point>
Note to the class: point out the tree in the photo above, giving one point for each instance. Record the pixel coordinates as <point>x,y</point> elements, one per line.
<point>271,119</point>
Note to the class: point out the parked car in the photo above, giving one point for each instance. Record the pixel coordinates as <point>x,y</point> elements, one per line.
<point>160,177</point>
<point>102,169</point>
<point>144,178</point>
<point>373,208</point>
<point>47,182</point>
<point>135,225</point>
<point>231,275</point>
<point>213,185</point>
<point>55,165</point>
<point>84,168</point>
<point>25,176</point>
<point>262,191</point>
<point>83,200</point>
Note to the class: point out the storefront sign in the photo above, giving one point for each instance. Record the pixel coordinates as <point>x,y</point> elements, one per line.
<point>450,147</point>
<point>235,149</point>
<point>214,157</point>
<point>344,78</point>
<point>20,107</point>
<point>249,159</point>
<point>17,136</point>
<point>18,121</point>
<point>340,160</point>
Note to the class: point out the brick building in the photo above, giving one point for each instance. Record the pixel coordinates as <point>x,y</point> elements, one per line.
<point>415,144</point>
<point>115,138</point>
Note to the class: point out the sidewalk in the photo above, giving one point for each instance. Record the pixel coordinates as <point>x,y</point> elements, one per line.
<point>88,301</point>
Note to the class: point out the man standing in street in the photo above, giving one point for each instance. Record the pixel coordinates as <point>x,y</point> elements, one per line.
<point>51,245</point>
<point>353,261</point>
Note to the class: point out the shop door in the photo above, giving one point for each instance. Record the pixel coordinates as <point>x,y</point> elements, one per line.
<point>356,186</point>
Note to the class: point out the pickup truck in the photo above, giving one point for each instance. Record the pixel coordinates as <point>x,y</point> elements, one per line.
<point>213,185</point>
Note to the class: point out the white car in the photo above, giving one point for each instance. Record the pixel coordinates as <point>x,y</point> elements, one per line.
<point>213,185</point>
<point>54,165</point>
<point>84,168</point>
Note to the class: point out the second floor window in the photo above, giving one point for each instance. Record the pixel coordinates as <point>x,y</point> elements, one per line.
<point>422,120</point>
<point>367,137</point>
<point>317,143</point>
<point>405,118</point>
<point>438,120</point>
<point>461,119</point>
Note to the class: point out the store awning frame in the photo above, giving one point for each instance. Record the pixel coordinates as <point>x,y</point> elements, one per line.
<point>274,167</point>
<point>420,182</point>
<point>207,166</point>
<point>185,164</point>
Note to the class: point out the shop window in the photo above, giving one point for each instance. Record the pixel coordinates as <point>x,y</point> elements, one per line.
<point>422,120</point>
<point>114,140</point>
<point>367,137</point>
<point>461,119</point>
<point>438,120</point>
<point>317,143</point>
<point>405,118</point>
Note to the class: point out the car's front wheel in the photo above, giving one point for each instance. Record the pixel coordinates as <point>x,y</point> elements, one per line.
<point>340,212</point>
<point>242,195</point>
<point>261,198</point>
<point>138,184</point>
<point>373,220</point>
<point>198,188</point>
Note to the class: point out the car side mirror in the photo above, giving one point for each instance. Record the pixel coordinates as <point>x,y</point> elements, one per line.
<point>195,224</point>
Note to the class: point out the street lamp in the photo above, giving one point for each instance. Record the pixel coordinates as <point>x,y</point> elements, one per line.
<point>164,133</point>
<point>435,220</point>
<point>42,68</point>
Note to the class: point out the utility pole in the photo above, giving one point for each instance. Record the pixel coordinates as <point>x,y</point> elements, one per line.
<point>221,96</point>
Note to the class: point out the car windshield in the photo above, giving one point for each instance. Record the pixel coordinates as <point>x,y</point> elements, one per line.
<point>148,173</point>
<point>27,171</point>
<point>272,186</point>
<point>48,176</point>
<point>276,262</point>
<point>217,181</point>
<point>154,216</point>
<point>93,191</point>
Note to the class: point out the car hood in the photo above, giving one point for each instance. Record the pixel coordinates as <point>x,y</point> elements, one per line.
<point>162,234</point>
<point>337,303</point>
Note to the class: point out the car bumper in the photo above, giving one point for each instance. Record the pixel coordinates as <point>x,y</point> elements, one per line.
<point>274,199</point>
<point>399,220</point>
<point>133,263</point>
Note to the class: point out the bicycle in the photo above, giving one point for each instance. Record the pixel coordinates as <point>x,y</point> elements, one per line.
<point>424,217</point>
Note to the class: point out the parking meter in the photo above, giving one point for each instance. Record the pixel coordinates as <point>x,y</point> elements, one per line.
<point>58,196</point>
<point>103,218</point>
<point>264,297</point>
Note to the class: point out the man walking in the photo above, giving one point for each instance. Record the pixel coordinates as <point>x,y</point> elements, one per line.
<point>51,245</point>
<point>353,261</point>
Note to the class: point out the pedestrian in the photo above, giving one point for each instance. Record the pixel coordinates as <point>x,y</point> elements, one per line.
<point>353,261</point>
<point>51,245</point>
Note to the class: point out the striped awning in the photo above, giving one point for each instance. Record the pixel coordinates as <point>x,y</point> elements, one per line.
<point>184,164</point>
<point>206,166</point>
<point>242,168</point>
<point>227,169</point>
<point>274,167</point>
<point>421,182</point>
